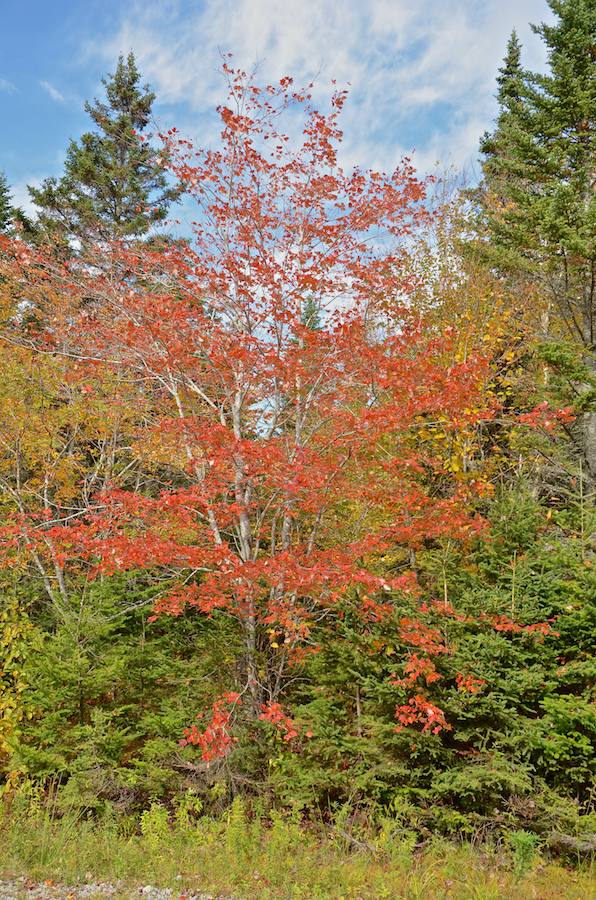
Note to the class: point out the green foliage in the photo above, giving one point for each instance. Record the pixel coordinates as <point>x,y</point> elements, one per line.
<point>154,826</point>
<point>6,210</point>
<point>497,147</point>
<point>95,697</point>
<point>509,735</point>
<point>113,181</point>
<point>279,858</point>
<point>537,199</point>
<point>525,846</point>
<point>10,214</point>
<point>521,741</point>
<point>115,692</point>
<point>16,644</point>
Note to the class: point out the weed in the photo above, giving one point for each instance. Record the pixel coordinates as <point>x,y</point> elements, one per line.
<point>419,884</point>
<point>525,845</point>
<point>154,826</point>
<point>277,859</point>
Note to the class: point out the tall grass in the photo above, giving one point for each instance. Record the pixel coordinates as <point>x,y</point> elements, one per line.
<point>257,858</point>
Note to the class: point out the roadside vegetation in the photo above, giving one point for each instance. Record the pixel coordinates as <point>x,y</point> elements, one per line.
<point>298,510</point>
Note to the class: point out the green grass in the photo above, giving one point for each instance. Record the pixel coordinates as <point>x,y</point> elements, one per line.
<point>276,859</point>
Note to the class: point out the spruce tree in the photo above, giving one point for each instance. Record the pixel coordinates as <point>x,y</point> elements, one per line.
<point>497,147</point>
<point>10,214</point>
<point>542,155</point>
<point>509,95</point>
<point>6,210</point>
<point>114,183</point>
<point>541,163</point>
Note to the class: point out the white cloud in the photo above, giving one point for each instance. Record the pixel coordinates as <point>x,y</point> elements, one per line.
<point>7,86</point>
<point>408,65</point>
<point>33,178</point>
<point>20,194</point>
<point>54,94</point>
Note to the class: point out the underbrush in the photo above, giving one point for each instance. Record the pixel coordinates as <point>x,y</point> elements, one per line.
<point>247,853</point>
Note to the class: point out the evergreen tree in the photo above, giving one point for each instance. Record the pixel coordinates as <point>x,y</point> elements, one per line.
<point>541,164</point>
<point>6,210</point>
<point>10,214</point>
<point>114,182</point>
<point>509,95</point>
<point>542,155</point>
<point>311,314</point>
<point>497,147</point>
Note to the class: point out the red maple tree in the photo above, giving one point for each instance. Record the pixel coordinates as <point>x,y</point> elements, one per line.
<point>289,387</point>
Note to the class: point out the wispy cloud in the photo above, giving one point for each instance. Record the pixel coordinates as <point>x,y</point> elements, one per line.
<point>7,86</point>
<point>421,76</point>
<point>20,193</point>
<point>54,94</point>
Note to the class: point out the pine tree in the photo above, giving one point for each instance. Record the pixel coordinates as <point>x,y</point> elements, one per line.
<point>114,182</point>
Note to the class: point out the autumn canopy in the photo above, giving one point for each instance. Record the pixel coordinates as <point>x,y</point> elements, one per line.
<point>274,374</point>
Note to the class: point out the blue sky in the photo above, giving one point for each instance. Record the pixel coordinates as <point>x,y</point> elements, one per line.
<point>421,74</point>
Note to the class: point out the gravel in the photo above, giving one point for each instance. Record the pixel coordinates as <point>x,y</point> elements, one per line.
<point>24,889</point>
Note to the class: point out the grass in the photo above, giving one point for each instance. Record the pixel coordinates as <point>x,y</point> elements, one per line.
<point>276,859</point>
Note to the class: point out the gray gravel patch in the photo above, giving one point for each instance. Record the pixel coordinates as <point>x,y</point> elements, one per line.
<point>24,889</point>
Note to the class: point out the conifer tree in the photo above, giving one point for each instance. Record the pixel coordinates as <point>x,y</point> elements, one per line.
<point>114,182</point>
<point>542,156</point>
<point>541,162</point>
<point>10,214</point>
<point>6,210</point>
<point>497,147</point>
